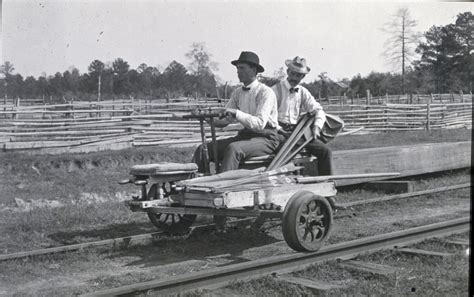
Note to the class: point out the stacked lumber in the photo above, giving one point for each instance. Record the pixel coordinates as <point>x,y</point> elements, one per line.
<point>400,99</point>
<point>405,117</point>
<point>408,159</point>
<point>99,125</point>
<point>36,108</point>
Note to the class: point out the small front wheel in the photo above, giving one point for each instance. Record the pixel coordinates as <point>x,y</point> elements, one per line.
<point>307,221</point>
<point>172,223</point>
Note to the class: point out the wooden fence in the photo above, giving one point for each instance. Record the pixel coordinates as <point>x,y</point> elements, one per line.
<point>91,126</point>
<point>368,99</point>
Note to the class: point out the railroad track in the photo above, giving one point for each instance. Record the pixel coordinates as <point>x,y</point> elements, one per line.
<point>221,276</point>
<point>141,238</point>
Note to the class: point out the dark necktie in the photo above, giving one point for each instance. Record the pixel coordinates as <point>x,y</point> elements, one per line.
<point>245,89</point>
<point>293,90</point>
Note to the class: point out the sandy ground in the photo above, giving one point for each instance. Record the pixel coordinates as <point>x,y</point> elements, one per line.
<point>91,270</point>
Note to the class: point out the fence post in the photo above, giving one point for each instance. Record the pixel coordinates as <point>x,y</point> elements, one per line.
<point>5,105</point>
<point>462,96</point>
<point>428,113</point>
<point>44,109</point>
<point>113,106</point>
<point>368,97</point>
<point>72,108</point>
<point>139,106</point>
<point>17,106</point>
<point>386,98</point>
<point>411,98</point>
<point>123,108</point>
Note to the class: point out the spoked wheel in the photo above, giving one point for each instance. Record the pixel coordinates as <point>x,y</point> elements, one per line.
<point>307,221</point>
<point>171,223</point>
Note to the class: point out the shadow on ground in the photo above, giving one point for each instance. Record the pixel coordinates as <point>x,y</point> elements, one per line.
<point>199,245</point>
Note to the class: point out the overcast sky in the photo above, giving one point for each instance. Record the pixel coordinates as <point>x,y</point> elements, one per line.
<point>342,39</point>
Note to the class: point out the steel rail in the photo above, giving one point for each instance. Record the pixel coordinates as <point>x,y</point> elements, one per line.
<point>404,195</point>
<point>125,241</point>
<point>135,239</point>
<point>221,276</point>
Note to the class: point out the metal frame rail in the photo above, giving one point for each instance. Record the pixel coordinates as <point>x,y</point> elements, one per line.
<point>221,276</point>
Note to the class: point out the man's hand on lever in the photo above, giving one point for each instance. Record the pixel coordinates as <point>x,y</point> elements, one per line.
<point>230,112</point>
<point>224,118</point>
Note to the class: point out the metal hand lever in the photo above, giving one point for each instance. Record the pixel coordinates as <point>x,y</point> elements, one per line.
<point>209,116</point>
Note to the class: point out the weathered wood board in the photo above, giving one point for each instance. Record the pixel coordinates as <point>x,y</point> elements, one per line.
<point>277,195</point>
<point>408,160</point>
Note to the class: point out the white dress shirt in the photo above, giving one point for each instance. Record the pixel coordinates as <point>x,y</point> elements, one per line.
<point>292,105</point>
<point>255,107</point>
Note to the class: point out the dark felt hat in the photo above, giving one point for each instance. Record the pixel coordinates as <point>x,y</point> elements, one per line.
<point>250,58</point>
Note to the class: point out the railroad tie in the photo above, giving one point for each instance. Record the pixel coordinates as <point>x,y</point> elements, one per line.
<point>457,241</point>
<point>317,285</point>
<point>420,252</point>
<point>373,268</point>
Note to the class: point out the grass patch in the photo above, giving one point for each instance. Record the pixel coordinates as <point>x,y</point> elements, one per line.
<point>40,227</point>
<point>68,177</point>
<point>416,275</point>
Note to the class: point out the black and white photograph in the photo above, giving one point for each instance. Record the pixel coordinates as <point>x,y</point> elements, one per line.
<point>235,148</point>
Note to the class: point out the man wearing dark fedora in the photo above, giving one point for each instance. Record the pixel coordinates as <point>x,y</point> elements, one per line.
<point>295,100</point>
<point>254,107</point>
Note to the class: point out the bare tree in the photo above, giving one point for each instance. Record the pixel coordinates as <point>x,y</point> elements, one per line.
<point>402,40</point>
<point>200,59</point>
<point>280,73</point>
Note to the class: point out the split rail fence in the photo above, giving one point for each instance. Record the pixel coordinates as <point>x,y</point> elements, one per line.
<point>92,126</point>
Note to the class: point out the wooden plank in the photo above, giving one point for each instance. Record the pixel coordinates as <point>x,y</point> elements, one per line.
<point>373,268</point>
<point>420,252</point>
<point>57,133</point>
<point>317,285</point>
<point>408,160</point>
<point>278,195</point>
<point>392,186</point>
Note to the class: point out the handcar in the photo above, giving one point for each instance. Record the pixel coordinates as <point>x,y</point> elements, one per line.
<point>173,194</point>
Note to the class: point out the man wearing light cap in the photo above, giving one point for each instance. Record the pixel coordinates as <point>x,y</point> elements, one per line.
<point>254,107</point>
<point>295,100</point>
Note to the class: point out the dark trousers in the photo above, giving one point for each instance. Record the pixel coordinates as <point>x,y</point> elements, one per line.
<point>234,150</point>
<point>321,151</point>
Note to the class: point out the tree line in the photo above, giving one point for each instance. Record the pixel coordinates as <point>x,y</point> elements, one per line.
<point>445,64</point>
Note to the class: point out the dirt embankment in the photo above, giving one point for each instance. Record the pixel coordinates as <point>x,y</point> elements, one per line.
<point>27,176</point>
<point>31,177</point>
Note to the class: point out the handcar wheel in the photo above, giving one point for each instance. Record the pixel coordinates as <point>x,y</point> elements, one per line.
<point>307,221</point>
<point>172,223</point>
